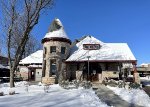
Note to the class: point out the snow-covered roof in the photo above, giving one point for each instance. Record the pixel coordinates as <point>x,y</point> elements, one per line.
<point>107,51</point>
<point>56,30</point>
<point>145,64</point>
<point>36,57</point>
<point>3,67</point>
<point>35,66</point>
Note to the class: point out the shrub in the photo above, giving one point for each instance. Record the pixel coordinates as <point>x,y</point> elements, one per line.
<point>86,84</point>
<point>11,92</point>
<point>46,88</point>
<point>112,83</point>
<point>64,84</point>
<point>104,82</point>
<point>1,93</point>
<point>26,88</point>
<point>76,83</point>
<point>135,85</point>
<point>121,84</point>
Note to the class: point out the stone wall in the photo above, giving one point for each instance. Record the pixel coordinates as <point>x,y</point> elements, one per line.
<point>24,72</point>
<point>110,74</point>
<point>112,71</point>
<point>57,56</point>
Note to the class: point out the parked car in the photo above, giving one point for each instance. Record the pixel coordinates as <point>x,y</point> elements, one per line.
<point>142,75</point>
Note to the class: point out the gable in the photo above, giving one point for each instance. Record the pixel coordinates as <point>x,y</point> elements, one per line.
<point>35,58</point>
<point>107,51</point>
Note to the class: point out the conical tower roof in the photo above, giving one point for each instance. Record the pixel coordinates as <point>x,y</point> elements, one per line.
<point>56,30</point>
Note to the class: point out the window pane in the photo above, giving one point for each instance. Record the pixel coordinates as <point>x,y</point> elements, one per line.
<point>85,46</point>
<point>63,49</point>
<point>53,67</point>
<point>53,49</point>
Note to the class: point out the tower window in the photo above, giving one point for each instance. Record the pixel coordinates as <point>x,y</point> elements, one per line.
<point>53,66</point>
<point>52,49</point>
<point>63,49</point>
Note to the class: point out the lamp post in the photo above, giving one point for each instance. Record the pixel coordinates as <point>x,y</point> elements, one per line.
<point>88,66</point>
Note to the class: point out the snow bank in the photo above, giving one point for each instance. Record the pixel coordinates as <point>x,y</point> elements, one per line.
<point>56,96</point>
<point>147,78</point>
<point>135,96</point>
<point>91,99</point>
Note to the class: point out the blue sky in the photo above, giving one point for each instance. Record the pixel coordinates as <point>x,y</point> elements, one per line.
<point>108,20</point>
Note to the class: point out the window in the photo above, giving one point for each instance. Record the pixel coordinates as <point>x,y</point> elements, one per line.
<point>97,46</point>
<point>52,49</point>
<point>63,49</point>
<point>78,66</point>
<point>53,66</point>
<point>91,46</point>
<point>114,72</point>
<point>86,47</point>
<point>106,67</point>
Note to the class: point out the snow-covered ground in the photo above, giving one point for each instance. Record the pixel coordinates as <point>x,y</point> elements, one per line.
<point>145,80</point>
<point>56,97</point>
<point>135,96</point>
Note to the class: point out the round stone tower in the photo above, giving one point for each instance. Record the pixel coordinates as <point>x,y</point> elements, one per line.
<point>56,48</point>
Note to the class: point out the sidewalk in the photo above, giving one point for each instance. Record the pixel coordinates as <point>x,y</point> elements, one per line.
<point>147,90</point>
<point>110,98</point>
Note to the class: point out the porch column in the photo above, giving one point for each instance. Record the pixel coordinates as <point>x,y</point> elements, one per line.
<point>136,74</point>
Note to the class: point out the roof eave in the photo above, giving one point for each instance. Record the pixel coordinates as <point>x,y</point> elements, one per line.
<point>123,61</point>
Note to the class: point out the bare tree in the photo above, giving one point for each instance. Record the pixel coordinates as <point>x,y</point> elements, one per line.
<point>19,19</point>
<point>32,45</point>
<point>0,46</point>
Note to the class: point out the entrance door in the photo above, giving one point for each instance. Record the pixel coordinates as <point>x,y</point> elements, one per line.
<point>95,71</point>
<point>32,75</point>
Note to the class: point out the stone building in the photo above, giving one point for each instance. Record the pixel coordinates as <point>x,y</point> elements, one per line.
<point>3,60</point>
<point>86,58</point>
<point>56,49</point>
<point>4,69</point>
<point>144,70</point>
<point>30,68</point>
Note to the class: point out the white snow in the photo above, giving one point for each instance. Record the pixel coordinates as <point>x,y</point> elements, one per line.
<point>35,66</point>
<point>36,57</point>
<point>108,51</point>
<point>58,33</point>
<point>145,80</point>
<point>135,96</point>
<point>145,64</point>
<point>56,97</point>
